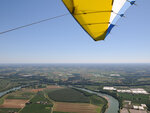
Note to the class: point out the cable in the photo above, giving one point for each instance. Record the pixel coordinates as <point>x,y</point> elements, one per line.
<point>13,29</point>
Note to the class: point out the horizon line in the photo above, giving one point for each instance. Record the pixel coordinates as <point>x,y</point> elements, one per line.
<point>85,63</point>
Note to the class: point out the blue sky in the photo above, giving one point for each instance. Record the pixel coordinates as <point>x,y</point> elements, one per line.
<point>63,41</point>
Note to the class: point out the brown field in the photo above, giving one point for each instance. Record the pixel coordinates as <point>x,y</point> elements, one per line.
<point>137,111</point>
<point>37,90</point>
<point>75,107</point>
<point>41,89</point>
<point>53,87</point>
<point>13,103</point>
<point>32,90</point>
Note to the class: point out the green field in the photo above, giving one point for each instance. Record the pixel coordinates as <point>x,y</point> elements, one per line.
<point>20,95</point>
<point>78,96</point>
<point>135,98</point>
<point>2,100</point>
<point>68,95</point>
<point>35,107</point>
<point>8,110</point>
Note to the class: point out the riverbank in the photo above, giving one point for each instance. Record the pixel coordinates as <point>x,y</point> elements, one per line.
<point>113,104</point>
<point>10,90</point>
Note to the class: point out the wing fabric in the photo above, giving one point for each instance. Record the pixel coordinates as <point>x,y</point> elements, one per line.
<point>97,17</point>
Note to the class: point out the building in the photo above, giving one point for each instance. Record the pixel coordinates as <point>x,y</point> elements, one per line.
<point>144,105</point>
<point>127,101</point>
<point>134,91</point>
<point>114,75</point>
<point>135,107</point>
<point>124,91</point>
<point>141,108</point>
<point>139,91</point>
<point>138,107</point>
<point>109,88</point>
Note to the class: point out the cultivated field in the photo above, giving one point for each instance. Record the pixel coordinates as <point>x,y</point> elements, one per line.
<point>9,110</point>
<point>38,104</point>
<point>53,87</point>
<point>75,107</point>
<point>13,103</point>
<point>32,90</point>
<point>21,94</point>
<point>54,99</point>
<point>137,111</point>
<point>50,87</point>
<point>68,95</point>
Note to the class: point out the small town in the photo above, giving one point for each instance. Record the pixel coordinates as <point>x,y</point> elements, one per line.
<point>129,106</point>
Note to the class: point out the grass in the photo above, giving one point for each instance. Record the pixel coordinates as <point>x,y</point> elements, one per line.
<point>2,99</point>
<point>97,100</point>
<point>7,110</point>
<point>68,95</point>
<point>36,108</point>
<point>101,102</point>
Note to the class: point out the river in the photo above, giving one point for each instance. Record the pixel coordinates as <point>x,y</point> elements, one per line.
<point>113,104</point>
<point>5,92</point>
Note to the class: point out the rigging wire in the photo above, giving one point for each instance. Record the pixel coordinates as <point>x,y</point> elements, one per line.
<point>27,25</point>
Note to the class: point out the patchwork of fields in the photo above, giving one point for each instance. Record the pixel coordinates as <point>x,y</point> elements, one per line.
<point>52,99</point>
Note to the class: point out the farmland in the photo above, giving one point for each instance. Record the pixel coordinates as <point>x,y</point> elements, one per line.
<point>8,110</point>
<point>38,104</point>
<point>72,100</point>
<point>13,103</point>
<point>24,95</point>
<point>54,99</point>
<point>68,95</point>
<point>75,107</point>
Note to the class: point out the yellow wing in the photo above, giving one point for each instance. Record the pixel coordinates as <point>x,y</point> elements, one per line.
<point>92,15</point>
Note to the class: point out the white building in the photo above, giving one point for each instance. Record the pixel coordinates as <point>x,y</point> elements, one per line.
<point>124,91</point>
<point>109,88</point>
<point>138,107</point>
<point>135,107</point>
<point>139,91</point>
<point>135,91</point>
<point>114,75</point>
<point>141,108</point>
<point>143,105</point>
<point>127,101</point>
